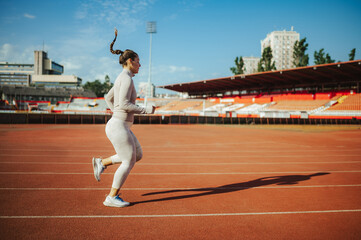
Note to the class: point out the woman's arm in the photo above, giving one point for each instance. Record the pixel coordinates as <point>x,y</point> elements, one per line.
<point>125,92</point>
<point>109,99</point>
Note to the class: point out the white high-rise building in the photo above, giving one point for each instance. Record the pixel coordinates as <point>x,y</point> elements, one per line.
<point>44,71</point>
<point>143,89</point>
<point>281,43</point>
<point>250,64</point>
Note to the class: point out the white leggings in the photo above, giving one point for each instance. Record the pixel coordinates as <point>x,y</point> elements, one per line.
<point>126,146</point>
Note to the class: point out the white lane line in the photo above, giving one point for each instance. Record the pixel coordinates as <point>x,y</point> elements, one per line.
<point>199,189</point>
<point>182,151</point>
<point>49,163</point>
<point>250,163</point>
<point>188,164</point>
<point>261,155</point>
<point>187,215</point>
<point>206,173</point>
<point>166,145</point>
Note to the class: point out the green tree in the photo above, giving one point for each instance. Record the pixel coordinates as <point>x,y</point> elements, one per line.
<point>320,57</point>
<point>99,88</point>
<point>239,69</point>
<point>328,59</point>
<point>299,56</point>
<point>265,63</point>
<point>352,55</point>
<point>107,84</point>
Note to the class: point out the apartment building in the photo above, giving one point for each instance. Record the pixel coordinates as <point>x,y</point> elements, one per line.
<point>281,43</point>
<point>250,64</point>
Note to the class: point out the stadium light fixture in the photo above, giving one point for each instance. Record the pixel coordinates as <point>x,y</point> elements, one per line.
<point>151,28</point>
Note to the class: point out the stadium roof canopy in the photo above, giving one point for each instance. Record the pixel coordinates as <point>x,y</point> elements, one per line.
<point>325,75</point>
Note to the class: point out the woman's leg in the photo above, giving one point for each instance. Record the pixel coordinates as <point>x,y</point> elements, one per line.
<point>116,159</point>
<point>111,160</point>
<point>121,174</point>
<point>111,126</point>
<point>122,140</point>
<point>138,147</point>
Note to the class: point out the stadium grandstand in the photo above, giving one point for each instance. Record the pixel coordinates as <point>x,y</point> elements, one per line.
<point>82,105</point>
<point>23,98</point>
<point>320,94</point>
<point>320,91</point>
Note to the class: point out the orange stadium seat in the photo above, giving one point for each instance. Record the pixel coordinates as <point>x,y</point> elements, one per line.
<point>350,103</point>
<point>180,105</point>
<point>298,105</point>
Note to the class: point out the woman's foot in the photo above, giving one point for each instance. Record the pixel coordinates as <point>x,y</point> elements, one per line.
<point>98,168</point>
<point>115,202</point>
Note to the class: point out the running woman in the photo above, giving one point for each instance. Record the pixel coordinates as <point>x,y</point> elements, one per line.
<point>121,100</point>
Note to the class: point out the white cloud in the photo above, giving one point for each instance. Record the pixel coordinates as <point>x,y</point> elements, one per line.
<point>86,41</point>
<point>14,54</point>
<point>90,68</point>
<point>29,16</point>
<point>190,5</point>
<point>6,51</point>
<point>169,69</point>
<point>86,65</point>
<point>167,74</point>
<point>105,66</point>
<point>173,69</point>
<point>174,16</point>
<point>79,52</point>
<point>71,65</point>
<point>123,14</point>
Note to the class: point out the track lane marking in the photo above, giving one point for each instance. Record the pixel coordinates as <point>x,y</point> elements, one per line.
<point>187,188</point>
<point>190,164</point>
<point>229,173</point>
<point>182,151</point>
<point>197,157</point>
<point>186,215</point>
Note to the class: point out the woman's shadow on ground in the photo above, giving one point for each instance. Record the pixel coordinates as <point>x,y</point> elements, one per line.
<point>277,180</point>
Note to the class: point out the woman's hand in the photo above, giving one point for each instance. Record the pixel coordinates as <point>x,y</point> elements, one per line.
<point>150,109</point>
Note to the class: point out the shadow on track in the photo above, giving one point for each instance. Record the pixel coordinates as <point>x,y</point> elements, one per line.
<point>277,180</point>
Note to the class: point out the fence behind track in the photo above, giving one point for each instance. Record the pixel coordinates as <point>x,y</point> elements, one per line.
<point>44,118</point>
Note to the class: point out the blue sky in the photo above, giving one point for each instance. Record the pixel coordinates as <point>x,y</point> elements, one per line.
<point>195,39</point>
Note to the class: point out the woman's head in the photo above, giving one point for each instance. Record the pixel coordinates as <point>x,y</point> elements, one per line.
<point>128,58</point>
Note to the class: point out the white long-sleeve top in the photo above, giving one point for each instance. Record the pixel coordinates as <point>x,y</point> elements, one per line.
<point>121,98</point>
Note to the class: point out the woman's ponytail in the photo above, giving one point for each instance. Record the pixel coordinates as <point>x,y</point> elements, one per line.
<point>124,56</point>
<point>117,52</point>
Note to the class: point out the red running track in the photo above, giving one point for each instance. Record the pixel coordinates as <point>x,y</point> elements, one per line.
<point>194,182</point>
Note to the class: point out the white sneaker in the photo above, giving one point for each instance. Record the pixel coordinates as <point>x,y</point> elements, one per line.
<point>115,202</point>
<point>98,168</point>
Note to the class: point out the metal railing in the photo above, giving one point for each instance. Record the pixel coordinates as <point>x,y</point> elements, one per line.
<point>53,118</point>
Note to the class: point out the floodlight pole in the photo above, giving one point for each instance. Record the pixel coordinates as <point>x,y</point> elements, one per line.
<point>151,28</point>
<point>150,65</point>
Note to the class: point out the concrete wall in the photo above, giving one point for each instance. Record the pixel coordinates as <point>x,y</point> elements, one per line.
<point>62,79</point>
<point>44,118</point>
